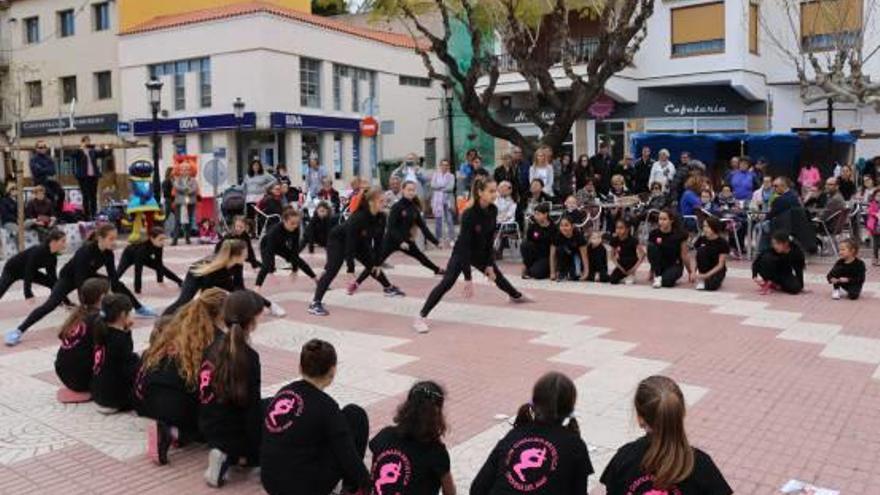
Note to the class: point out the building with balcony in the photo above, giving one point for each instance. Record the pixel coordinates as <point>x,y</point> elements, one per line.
<point>705,67</point>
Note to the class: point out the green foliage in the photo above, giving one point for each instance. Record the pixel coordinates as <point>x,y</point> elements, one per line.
<point>487,14</point>
<point>329,7</point>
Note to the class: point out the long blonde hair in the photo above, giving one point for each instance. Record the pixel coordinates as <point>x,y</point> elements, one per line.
<point>660,404</point>
<point>231,248</point>
<point>187,336</point>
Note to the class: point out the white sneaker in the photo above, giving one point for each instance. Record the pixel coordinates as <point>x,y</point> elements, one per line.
<point>629,280</point>
<point>701,285</point>
<point>658,282</point>
<point>835,294</point>
<point>277,311</point>
<point>421,325</point>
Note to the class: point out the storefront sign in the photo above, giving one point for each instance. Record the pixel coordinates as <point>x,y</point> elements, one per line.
<point>279,120</point>
<point>602,108</point>
<point>197,123</point>
<point>81,125</point>
<point>695,101</point>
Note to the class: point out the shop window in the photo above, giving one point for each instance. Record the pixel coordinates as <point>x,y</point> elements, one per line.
<point>830,24</point>
<point>753,28</point>
<point>698,29</point>
<point>722,124</point>
<point>310,82</point>
<point>206,142</point>
<point>612,133</point>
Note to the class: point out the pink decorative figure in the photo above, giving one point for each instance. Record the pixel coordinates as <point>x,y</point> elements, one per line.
<point>529,459</point>
<point>281,407</point>
<point>388,473</point>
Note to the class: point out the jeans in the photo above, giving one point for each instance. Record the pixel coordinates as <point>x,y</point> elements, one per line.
<point>445,217</point>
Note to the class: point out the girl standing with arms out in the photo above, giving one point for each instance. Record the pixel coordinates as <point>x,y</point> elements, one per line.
<point>353,240</point>
<point>73,362</point>
<point>626,254</point>
<point>115,362</point>
<point>663,460</point>
<point>711,258</point>
<point>26,265</point>
<point>543,453</point>
<point>147,252</point>
<point>95,253</point>
<point>473,248</point>
<point>668,251</point>
<point>416,442</point>
<point>443,202</point>
<point>167,386</point>
<point>404,216</point>
<point>186,191</point>
<point>282,240</point>
<point>847,276</point>
<point>229,390</point>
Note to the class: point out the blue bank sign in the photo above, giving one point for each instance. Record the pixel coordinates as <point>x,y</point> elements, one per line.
<point>196,124</point>
<point>281,120</point>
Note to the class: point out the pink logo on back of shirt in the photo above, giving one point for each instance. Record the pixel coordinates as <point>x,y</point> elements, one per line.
<point>529,459</point>
<point>206,373</point>
<point>139,383</point>
<point>98,361</point>
<point>284,409</point>
<point>74,336</point>
<point>644,485</point>
<point>391,473</point>
<point>530,463</point>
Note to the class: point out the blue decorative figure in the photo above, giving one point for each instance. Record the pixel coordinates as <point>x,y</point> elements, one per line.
<point>141,202</point>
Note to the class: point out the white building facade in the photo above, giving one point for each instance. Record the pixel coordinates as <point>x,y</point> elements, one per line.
<point>307,84</point>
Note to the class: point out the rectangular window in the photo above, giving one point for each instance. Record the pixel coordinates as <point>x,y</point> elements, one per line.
<point>68,89</point>
<point>356,90</point>
<point>337,86</point>
<point>103,85</point>
<point>206,142</point>
<point>180,91</point>
<point>101,16</point>
<point>420,82</point>
<point>34,93</point>
<point>310,82</point>
<point>698,29</point>
<point>831,24</point>
<point>32,30</point>
<point>205,83</point>
<point>66,23</point>
<point>753,28</point>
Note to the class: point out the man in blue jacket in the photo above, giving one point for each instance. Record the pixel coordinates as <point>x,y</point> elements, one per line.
<point>43,170</point>
<point>87,170</point>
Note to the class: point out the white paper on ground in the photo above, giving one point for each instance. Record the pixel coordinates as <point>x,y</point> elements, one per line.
<point>796,487</point>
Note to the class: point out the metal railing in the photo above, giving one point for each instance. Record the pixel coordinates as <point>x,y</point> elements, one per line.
<point>579,50</point>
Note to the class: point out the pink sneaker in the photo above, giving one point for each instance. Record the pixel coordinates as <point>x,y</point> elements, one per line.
<point>351,288</point>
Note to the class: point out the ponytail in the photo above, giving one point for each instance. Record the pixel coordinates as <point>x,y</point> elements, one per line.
<point>55,234</point>
<point>113,307</point>
<point>553,399</point>
<point>230,357</point>
<point>479,184</point>
<point>416,201</point>
<point>661,407</point>
<point>90,295</point>
<point>231,248</point>
<point>101,231</point>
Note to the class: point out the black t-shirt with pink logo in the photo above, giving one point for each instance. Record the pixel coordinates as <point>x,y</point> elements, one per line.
<point>541,237</point>
<point>537,459</point>
<point>114,366</point>
<point>74,360</point>
<point>624,476</point>
<point>306,443</point>
<point>405,466</point>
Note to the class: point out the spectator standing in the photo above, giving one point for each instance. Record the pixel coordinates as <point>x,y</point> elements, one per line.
<point>411,171</point>
<point>505,172</point>
<point>602,164</point>
<point>542,169</point>
<point>522,167</point>
<point>642,172</point>
<point>742,181</point>
<point>186,190</point>
<point>87,170</point>
<point>663,170</point>
<point>43,170</point>
<point>314,178</point>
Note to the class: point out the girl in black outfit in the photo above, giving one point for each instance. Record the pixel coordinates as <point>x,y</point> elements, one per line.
<point>318,230</point>
<point>167,384</point>
<point>535,248</point>
<point>668,250</point>
<point>229,390</point>
<point>847,276</point>
<point>568,253</point>
<point>26,265</point>
<point>404,216</point>
<point>711,258</point>
<point>240,233</point>
<point>542,454</point>
<point>309,444</point>
<point>410,458</point>
<point>473,248</point>
<point>95,253</point>
<point>115,362</point>
<point>663,460</point>
<point>73,362</point>
<point>597,258</point>
<point>626,254</point>
<point>282,239</point>
<point>352,240</point>
<point>147,252</point>
<point>781,267</point>
<point>224,271</point>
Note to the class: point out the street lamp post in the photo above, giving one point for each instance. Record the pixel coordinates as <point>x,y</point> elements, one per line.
<point>448,96</point>
<point>238,109</point>
<point>154,92</point>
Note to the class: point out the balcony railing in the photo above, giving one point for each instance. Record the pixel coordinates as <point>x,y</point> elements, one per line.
<point>578,50</point>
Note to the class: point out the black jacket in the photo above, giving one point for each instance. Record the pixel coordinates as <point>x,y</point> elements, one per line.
<point>246,238</point>
<point>474,244</point>
<point>279,240</point>
<point>86,262</point>
<point>115,366</point>
<point>24,265</point>
<point>80,164</point>
<point>358,235</point>
<point>404,215</point>
<point>317,232</point>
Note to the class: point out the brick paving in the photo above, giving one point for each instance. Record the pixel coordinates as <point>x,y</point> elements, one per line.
<point>779,386</point>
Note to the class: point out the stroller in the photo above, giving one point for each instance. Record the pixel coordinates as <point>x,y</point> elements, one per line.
<point>232,204</point>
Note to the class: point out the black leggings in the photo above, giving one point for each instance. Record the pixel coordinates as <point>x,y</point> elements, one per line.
<point>617,275</point>
<point>453,269</point>
<point>669,273</point>
<point>769,267</point>
<point>536,263</point>
<point>412,250</point>
<point>714,282</point>
<point>190,288</point>
<point>6,281</point>
<point>162,271</point>
<point>268,263</point>
<point>335,260</point>
<point>59,294</point>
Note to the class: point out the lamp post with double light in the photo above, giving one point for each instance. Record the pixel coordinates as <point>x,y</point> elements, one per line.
<point>154,93</point>
<point>238,110</point>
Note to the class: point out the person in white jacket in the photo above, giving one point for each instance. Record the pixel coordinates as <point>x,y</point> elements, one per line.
<point>505,204</point>
<point>663,170</point>
<point>542,168</point>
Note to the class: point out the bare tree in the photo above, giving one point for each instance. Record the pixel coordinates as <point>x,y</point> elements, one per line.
<point>831,44</point>
<point>537,38</point>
